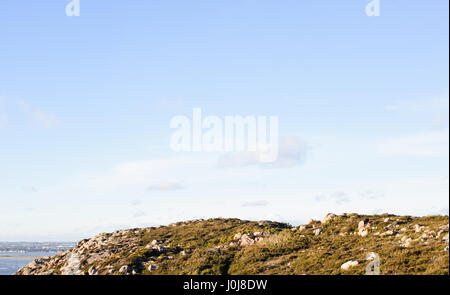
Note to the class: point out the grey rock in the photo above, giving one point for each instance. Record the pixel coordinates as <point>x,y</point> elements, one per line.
<point>124,269</point>
<point>318,231</point>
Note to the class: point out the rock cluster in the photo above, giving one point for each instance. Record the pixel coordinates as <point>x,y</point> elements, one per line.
<point>248,239</point>
<point>328,217</point>
<point>318,231</point>
<point>144,251</point>
<point>363,228</point>
<point>94,252</point>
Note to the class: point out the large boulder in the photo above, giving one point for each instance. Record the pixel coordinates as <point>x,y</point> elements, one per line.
<point>349,264</point>
<point>311,222</point>
<point>328,217</point>
<point>363,228</point>
<point>246,240</point>
<point>72,266</point>
<point>124,269</point>
<point>303,227</point>
<point>318,231</point>
<point>418,228</point>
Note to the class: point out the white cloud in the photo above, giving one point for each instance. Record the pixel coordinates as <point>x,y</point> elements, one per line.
<point>372,194</point>
<point>159,172</point>
<point>35,114</point>
<point>261,203</point>
<point>241,159</point>
<point>30,189</point>
<point>339,198</point>
<point>165,186</point>
<point>437,104</point>
<point>135,202</point>
<point>442,211</point>
<point>139,214</point>
<point>435,143</point>
<point>434,111</point>
<point>292,152</point>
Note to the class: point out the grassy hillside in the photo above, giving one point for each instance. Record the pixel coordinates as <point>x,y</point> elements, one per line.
<point>405,245</point>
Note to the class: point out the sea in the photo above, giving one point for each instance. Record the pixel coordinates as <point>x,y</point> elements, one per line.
<point>10,262</point>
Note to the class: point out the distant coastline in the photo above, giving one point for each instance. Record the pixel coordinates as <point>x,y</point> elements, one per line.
<point>14,255</point>
<point>12,261</point>
<point>24,256</point>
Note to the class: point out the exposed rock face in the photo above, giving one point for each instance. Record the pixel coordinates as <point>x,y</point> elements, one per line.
<point>249,239</point>
<point>328,217</point>
<point>318,231</point>
<point>363,228</point>
<point>246,241</point>
<point>406,242</point>
<point>124,269</point>
<point>388,233</point>
<point>311,222</point>
<point>418,228</point>
<point>72,266</point>
<point>303,227</point>
<point>232,246</point>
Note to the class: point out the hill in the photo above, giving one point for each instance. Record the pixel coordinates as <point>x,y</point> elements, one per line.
<point>342,244</point>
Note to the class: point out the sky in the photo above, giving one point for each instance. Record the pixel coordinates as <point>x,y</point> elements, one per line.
<point>86,103</point>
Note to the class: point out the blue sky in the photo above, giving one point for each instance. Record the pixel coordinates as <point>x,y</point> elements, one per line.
<point>85,106</point>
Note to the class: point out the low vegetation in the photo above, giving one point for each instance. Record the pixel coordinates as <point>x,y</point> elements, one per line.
<point>335,245</point>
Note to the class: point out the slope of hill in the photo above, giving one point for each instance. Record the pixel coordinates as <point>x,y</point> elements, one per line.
<point>341,244</point>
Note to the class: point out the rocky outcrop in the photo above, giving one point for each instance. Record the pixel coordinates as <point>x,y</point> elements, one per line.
<point>72,265</point>
<point>318,231</point>
<point>248,239</point>
<point>328,217</point>
<point>337,243</point>
<point>363,228</point>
